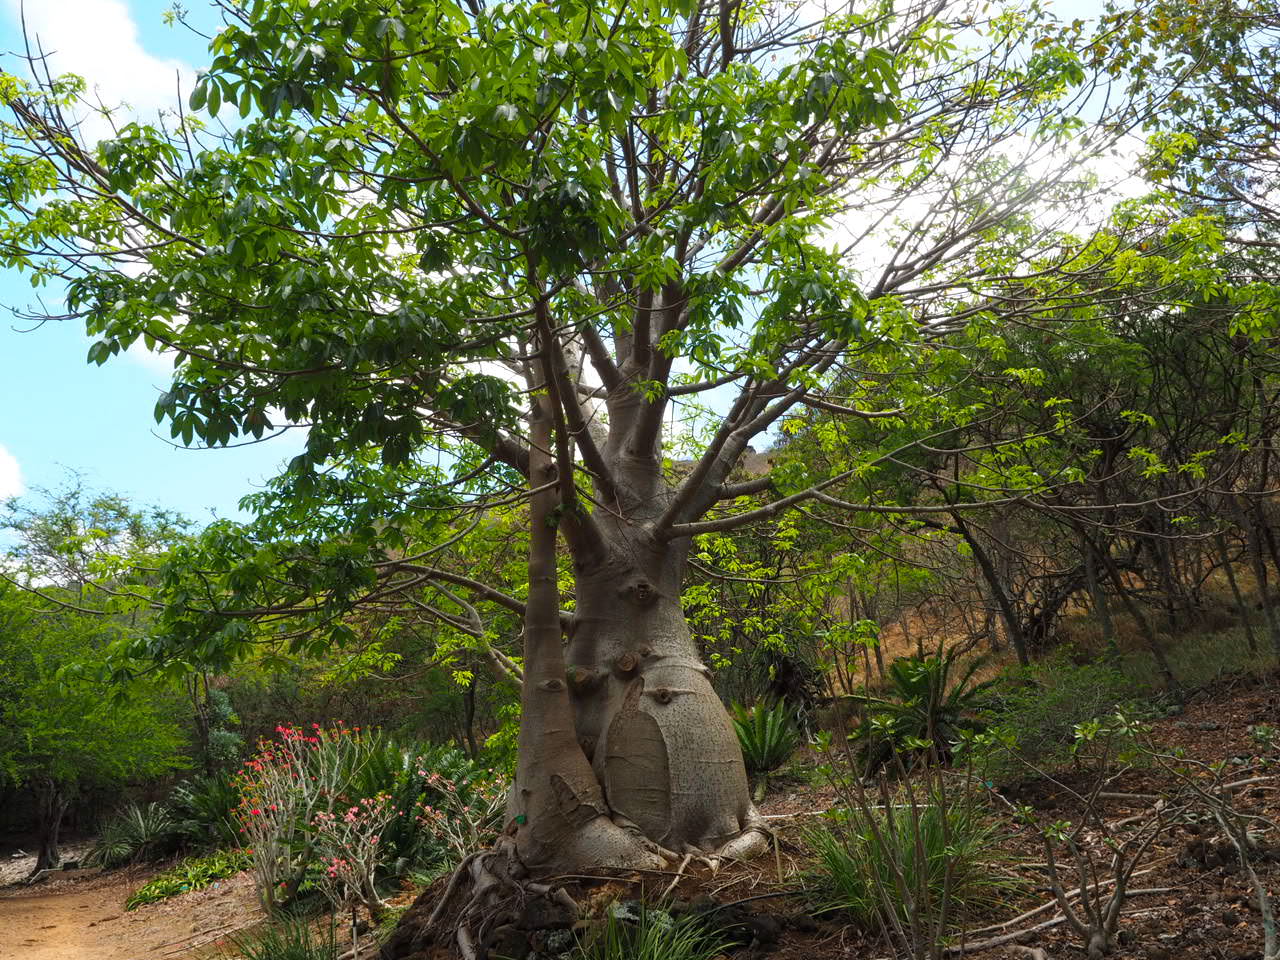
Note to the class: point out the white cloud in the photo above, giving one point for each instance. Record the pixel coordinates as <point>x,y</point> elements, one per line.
<point>10,475</point>
<point>98,40</point>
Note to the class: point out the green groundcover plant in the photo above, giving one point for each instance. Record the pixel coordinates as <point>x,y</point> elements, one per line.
<point>193,873</point>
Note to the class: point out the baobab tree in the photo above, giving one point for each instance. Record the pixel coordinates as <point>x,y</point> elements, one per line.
<point>486,251</point>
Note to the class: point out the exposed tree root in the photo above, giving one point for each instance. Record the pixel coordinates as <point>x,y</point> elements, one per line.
<point>493,897</point>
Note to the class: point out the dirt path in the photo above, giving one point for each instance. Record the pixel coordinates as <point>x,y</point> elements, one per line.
<point>83,918</point>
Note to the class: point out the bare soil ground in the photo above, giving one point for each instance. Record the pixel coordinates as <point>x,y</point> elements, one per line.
<point>82,917</point>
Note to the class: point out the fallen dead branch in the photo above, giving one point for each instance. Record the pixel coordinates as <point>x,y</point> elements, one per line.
<point>1071,895</point>
<point>960,949</point>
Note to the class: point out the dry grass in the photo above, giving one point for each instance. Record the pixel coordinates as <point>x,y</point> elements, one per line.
<point>1213,647</point>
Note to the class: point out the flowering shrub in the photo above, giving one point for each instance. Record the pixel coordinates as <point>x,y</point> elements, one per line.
<point>348,842</point>
<point>464,816</point>
<point>287,783</point>
<point>342,809</point>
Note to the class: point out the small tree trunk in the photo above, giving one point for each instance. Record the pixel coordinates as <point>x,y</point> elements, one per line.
<point>852,595</point>
<point>1013,629</point>
<point>1144,625</point>
<point>1264,598</point>
<point>1245,619</point>
<point>198,689</point>
<point>469,720</point>
<point>1097,595</point>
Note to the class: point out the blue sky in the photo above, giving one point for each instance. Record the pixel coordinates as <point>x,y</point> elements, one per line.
<point>56,411</point>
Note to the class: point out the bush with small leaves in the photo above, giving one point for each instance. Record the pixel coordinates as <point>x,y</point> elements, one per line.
<point>1036,712</point>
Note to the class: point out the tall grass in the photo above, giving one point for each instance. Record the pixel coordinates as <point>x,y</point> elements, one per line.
<point>655,937</point>
<point>1199,659</point>
<point>288,940</point>
<point>874,862</point>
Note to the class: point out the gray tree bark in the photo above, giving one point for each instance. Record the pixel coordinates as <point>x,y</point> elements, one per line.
<point>626,754</point>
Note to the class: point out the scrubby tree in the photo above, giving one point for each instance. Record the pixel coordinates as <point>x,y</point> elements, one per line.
<point>65,735</point>
<point>66,732</point>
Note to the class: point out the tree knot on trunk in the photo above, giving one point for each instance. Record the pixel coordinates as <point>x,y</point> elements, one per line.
<point>582,679</point>
<point>641,591</point>
<point>575,805</point>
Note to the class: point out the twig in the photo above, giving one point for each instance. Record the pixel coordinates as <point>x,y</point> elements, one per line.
<point>185,946</point>
<point>759,896</point>
<point>678,877</point>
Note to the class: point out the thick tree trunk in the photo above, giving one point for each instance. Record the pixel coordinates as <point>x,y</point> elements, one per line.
<point>657,735</point>
<point>561,819</point>
<point>626,754</point>
<point>654,755</point>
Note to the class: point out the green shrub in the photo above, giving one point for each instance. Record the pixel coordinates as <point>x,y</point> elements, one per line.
<point>931,704</point>
<point>1038,708</point>
<point>138,832</point>
<point>289,940</point>
<point>224,745</point>
<point>654,935</point>
<point>193,873</point>
<point>204,810</point>
<point>767,737</point>
<point>871,858</point>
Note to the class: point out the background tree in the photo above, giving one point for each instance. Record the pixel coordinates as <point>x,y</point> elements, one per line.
<point>66,735</point>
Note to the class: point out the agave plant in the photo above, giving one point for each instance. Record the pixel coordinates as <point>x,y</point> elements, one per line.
<point>932,700</point>
<point>767,736</point>
<point>138,832</point>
